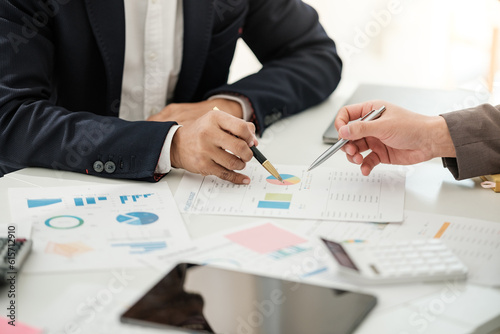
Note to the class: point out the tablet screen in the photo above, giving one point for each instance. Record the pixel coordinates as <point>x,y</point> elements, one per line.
<point>209,299</point>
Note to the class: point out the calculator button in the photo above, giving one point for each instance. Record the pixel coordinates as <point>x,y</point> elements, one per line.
<point>435,248</point>
<point>404,272</point>
<point>439,269</point>
<point>416,261</point>
<point>450,260</point>
<point>457,268</point>
<point>447,253</point>
<point>421,270</point>
<point>390,272</point>
<point>412,255</point>
<point>433,260</point>
<point>427,255</point>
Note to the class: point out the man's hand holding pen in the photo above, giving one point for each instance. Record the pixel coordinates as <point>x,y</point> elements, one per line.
<point>201,146</point>
<point>400,137</point>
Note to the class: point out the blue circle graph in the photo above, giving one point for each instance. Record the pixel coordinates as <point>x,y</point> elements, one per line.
<point>137,218</point>
<point>64,222</point>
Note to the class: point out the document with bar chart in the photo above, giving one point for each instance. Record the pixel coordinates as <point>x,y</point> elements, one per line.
<point>324,193</point>
<point>101,226</point>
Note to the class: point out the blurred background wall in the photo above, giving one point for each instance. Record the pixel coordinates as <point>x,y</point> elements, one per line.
<point>424,43</point>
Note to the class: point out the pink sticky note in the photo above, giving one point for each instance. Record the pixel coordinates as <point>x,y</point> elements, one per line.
<point>19,328</point>
<point>265,238</point>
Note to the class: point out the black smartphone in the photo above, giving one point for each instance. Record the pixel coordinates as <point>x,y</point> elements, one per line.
<point>206,299</point>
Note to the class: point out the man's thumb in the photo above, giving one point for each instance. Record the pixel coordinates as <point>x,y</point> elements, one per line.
<point>356,130</point>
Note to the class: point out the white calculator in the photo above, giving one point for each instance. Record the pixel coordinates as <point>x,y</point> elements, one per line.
<point>386,261</point>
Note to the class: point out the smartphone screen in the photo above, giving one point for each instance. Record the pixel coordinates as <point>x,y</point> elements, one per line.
<point>198,298</point>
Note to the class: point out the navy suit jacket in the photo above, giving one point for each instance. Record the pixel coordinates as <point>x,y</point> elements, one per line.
<point>61,68</point>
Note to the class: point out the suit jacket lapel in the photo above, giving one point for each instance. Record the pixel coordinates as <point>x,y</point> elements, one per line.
<point>107,18</point>
<point>198,20</point>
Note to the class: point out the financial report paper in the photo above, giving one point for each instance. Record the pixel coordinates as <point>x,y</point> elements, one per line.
<point>96,226</point>
<point>324,193</point>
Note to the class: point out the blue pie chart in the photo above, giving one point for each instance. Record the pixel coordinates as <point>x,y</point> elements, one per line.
<point>137,218</point>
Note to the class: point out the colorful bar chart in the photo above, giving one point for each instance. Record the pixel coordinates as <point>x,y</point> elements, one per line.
<point>79,201</point>
<point>276,201</point>
<point>286,252</point>
<point>134,198</point>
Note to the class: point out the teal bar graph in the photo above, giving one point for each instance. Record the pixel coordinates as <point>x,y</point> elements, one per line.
<point>36,203</point>
<point>274,205</point>
<point>88,200</point>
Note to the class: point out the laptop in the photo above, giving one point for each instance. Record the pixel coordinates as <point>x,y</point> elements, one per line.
<point>421,100</point>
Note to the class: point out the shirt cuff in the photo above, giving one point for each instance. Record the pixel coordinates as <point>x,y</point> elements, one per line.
<point>164,165</point>
<point>245,104</point>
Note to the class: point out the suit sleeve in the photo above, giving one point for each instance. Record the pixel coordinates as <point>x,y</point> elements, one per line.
<point>36,132</point>
<point>476,135</point>
<point>301,67</point>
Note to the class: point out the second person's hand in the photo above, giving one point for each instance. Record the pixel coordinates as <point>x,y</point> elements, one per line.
<point>202,146</point>
<point>399,136</point>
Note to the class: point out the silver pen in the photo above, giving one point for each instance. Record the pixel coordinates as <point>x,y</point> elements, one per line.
<point>374,114</point>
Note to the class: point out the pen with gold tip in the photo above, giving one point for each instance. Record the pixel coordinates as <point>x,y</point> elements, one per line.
<point>263,160</point>
<point>265,163</point>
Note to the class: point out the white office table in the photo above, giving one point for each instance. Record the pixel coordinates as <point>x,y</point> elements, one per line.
<point>45,299</point>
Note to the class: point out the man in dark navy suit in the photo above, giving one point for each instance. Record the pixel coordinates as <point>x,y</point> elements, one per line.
<point>126,88</point>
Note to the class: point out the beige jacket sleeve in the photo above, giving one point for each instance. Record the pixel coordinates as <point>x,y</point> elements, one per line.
<point>476,135</point>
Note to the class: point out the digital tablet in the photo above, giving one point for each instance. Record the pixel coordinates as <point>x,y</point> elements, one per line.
<point>201,299</point>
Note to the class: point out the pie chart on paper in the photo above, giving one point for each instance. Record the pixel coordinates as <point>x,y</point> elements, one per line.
<point>288,180</point>
<point>137,218</point>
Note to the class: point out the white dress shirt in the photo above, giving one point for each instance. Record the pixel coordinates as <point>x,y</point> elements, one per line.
<point>154,34</point>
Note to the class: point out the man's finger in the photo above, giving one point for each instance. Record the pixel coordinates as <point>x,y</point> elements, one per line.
<point>235,126</point>
<point>227,160</point>
<point>369,162</point>
<point>229,175</point>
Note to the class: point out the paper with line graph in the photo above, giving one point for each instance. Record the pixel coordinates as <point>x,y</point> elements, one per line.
<point>325,193</point>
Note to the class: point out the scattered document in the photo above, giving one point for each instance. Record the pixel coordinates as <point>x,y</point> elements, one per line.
<point>323,193</point>
<point>7,326</point>
<point>268,249</point>
<point>93,227</point>
<point>475,242</point>
<point>262,248</point>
